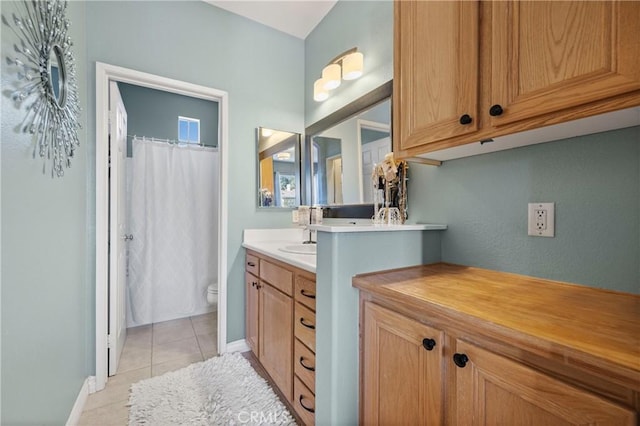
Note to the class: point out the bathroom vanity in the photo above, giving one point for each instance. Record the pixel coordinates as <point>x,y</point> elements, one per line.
<point>280,315</point>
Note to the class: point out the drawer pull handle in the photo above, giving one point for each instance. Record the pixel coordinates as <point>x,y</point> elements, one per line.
<point>305,294</point>
<point>428,344</point>
<point>253,283</point>
<point>311,410</point>
<point>460,360</point>
<point>251,264</point>
<point>311,326</point>
<point>307,368</point>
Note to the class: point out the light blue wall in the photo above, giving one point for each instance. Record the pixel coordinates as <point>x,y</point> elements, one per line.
<point>261,69</point>
<point>594,181</point>
<point>340,257</point>
<point>154,113</point>
<point>367,25</point>
<point>45,290</point>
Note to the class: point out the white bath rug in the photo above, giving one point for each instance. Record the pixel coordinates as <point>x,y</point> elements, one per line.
<point>224,390</point>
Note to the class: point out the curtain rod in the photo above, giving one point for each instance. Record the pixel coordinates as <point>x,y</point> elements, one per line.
<point>169,141</point>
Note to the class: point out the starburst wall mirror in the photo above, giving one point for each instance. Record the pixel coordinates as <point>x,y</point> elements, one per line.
<point>46,81</point>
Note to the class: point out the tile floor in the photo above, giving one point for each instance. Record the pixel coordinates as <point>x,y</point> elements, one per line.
<point>151,350</point>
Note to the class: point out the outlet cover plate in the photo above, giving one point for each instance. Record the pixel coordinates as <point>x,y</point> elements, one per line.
<point>541,219</point>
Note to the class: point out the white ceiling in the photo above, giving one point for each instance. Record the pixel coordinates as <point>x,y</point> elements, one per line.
<point>295,17</point>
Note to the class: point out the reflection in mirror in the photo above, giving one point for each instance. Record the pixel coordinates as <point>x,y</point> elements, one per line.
<point>278,168</point>
<point>57,78</point>
<point>343,157</point>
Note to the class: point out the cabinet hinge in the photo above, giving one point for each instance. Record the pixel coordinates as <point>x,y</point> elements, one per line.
<point>110,341</point>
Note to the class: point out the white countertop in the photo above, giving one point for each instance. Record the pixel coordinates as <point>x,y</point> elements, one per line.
<point>269,242</point>
<point>369,227</point>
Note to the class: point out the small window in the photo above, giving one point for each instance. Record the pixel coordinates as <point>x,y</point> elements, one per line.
<point>188,130</point>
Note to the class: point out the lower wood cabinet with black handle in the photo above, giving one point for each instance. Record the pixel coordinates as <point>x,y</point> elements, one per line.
<point>452,345</point>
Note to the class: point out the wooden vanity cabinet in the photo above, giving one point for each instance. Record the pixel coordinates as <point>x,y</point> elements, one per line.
<point>280,327</point>
<point>445,344</point>
<point>469,71</point>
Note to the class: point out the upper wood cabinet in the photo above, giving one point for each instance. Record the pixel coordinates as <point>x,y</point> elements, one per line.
<point>436,71</point>
<point>466,71</point>
<point>552,55</point>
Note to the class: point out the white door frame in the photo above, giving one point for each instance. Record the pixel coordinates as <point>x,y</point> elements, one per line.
<point>366,124</point>
<point>104,74</point>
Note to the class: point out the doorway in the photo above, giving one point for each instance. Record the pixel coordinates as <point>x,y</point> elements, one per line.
<point>105,74</point>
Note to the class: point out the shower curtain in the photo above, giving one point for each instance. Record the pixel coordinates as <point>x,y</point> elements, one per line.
<point>173,255</point>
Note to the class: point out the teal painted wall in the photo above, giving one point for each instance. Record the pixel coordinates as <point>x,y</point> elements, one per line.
<point>262,70</point>
<point>594,181</point>
<point>45,290</point>
<point>154,113</point>
<point>367,25</point>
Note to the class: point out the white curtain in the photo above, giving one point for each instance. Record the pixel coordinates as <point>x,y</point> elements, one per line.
<point>173,255</point>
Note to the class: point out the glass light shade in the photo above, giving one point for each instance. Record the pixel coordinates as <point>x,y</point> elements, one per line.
<point>319,93</point>
<point>266,132</point>
<point>352,66</point>
<point>331,76</point>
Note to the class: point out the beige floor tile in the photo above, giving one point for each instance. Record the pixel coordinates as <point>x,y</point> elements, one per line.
<point>109,395</point>
<point>173,323</point>
<point>142,329</point>
<point>208,343</point>
<point>116,414</point>
<point>205,317</point>
<point>176,364</point>
<point>134,358</point>
<point>207,355</point>
<point>138,340</point>
<point>167,334</point>
<point>131,376</point>
<point>205,326</point>
<point>174,350</point>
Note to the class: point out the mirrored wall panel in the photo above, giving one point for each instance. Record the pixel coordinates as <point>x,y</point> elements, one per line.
<point>278,168</point>
<point>343,156</point>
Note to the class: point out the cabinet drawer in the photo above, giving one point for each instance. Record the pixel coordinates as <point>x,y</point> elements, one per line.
<point>304,362</point>
<point>305,326</point>
<point>277,276</point>
<point>304,402</point>
<point>252,265</point>
<point>306,292</point>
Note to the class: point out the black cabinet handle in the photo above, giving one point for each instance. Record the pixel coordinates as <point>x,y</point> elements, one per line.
<point>305,294</point>
<point>428,344</point>
<point>258,286</point>
<point>311,410</point>
<point>495,110</point>
<point>251,264</point>
<point>460,360</point>
<point>306,367</point>
<point>311,326</point>
<point>466,119</point>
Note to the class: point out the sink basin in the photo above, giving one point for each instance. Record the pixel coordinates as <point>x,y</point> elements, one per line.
<point>299,248</point>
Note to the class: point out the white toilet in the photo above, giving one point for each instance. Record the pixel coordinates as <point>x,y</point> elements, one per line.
<point>212,294</point>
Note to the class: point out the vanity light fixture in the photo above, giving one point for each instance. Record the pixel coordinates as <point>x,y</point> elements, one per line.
<point>266,132</point>
<point>348,65</point>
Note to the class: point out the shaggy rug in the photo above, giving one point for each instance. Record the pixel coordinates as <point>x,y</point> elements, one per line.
<point>224,390</point>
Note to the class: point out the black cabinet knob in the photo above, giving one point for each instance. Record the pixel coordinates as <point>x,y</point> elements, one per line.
<point>466,119</point>
<point>495,110</point>
<point>460,360</point>
<point>428,344</point>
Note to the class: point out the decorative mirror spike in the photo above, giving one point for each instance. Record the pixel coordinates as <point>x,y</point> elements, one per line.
<point>53,117</point>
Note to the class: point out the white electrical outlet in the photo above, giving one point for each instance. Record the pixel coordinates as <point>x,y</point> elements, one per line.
<point>541,219</point>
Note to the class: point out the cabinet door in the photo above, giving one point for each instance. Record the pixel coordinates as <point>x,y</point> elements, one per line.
<point>492,390</point>
<point>552,55</point>
<point>251,315</point>
<point>276,337</point>
<point>401,380</point>
<point>436,71</point>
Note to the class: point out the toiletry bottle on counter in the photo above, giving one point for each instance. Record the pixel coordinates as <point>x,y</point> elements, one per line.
<point>303,215</point>
<point>316,215</point>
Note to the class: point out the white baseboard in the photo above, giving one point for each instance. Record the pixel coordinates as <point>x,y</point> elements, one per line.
<point>76,411</point>
<point>237,346</point>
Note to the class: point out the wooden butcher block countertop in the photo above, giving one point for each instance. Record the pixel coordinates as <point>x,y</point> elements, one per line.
<point>587,327</point>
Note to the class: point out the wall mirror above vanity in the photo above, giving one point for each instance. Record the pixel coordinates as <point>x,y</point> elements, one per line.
<point>341,149</point>
<point>278,168</point>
